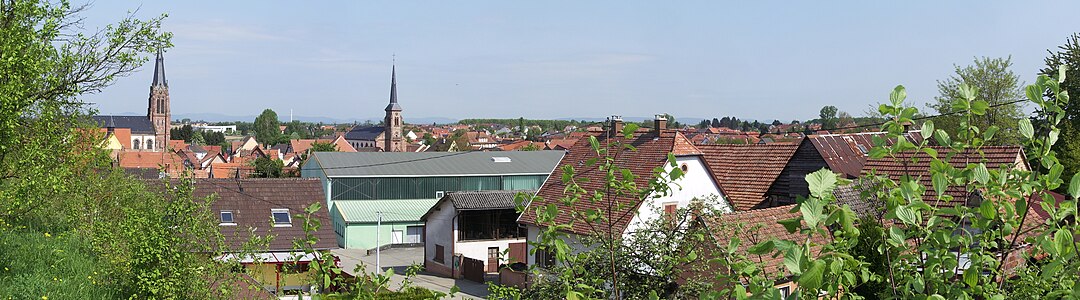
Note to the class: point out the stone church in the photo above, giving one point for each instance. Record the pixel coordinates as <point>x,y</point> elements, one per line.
<point>388,137</point>
<point>149,132</point>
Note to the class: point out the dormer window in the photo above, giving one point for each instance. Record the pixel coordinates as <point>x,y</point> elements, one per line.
<point>281,217</point>
<point>227,218</point>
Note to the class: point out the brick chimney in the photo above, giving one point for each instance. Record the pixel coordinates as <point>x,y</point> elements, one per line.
<point>615,124</point>
<point>659,122</point>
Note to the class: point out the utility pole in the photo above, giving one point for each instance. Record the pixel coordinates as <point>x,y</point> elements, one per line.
<point>378,241</point>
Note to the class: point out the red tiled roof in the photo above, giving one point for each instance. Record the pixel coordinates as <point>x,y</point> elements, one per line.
<point>212,149</point>
<point>174,165</point>
<point>300,146</point>
<point>124,135</point>
<point>176,145</point>
<point>846,153</point>
<point>651,152</point>
<point>993,156</point>
<point>755,226</point>
<point>229,170</point>
<point>746,172</point>
<point>516,145</point>
<point>561,144</point>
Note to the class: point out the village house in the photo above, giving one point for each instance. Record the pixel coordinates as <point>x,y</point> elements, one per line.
<point>267,207</point>
<point>752,176</point>
<point>759,225</point>
<point>652,149</point>
<point>400,187</point>
<point>479,225</point>
<point>480,140</point>
<point>750,228</point>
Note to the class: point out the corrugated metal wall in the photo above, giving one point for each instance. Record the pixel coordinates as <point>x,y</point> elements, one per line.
<point>425,187</point>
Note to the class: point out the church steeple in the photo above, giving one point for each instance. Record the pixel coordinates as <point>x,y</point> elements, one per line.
<point>158,111</point>
<point>393,106</point>
<point>392,134</point>
<point>159,71</point>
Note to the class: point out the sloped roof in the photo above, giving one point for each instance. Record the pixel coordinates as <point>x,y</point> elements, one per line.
<point>852,196</point>
<point>364,133</point>
<point>301,146</point>
<point>746,172</point>
<point>562,144</point>
<point>137,124</point>
<point>478,200</point>
<point>516,145</point>
<point>755,226</point>
<point>152,160</point>
<point>483,199</point>
<point>846,153</point>
<point>251,201</point>
<point>993,156</point>
<point>651,152</point>
<point>366,211</point>
<point>372,164</point>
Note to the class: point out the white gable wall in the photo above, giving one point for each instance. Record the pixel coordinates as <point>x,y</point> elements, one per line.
<point>698,183</point>
<point>439,230</point>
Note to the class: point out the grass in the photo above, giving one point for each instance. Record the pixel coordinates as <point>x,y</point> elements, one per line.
<point>40,265</point>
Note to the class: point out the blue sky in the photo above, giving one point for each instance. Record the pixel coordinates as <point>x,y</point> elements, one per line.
<point>551,59</point>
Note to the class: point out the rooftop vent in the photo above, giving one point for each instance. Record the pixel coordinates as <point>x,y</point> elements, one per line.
<point>500,159</point>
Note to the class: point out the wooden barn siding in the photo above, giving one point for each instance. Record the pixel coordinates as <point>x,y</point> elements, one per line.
<point>792,180</point>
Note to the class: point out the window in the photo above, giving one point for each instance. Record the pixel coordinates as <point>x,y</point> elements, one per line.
<point>544,258</point>
<point>785,292</point>
<point>439,258</point>
<point>684,168</point>
<point>135,144</point>
<point>499,159</point>
<point>149,144</point>
<point>281,217</point>
<point>669,212</point>
<point>439,194</point>
<point>227,218</point>
<point>414,234</point>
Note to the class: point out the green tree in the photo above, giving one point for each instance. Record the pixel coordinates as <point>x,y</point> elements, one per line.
<point>995,84</point>
<point>267,127</point>
<point>300,129</point>
<point>323,147</point>
<point>827,116</point>
<point>183,133</point>
<point>1067,55</point>
<point>214,138</point>
<point>197,138</point>
<point>267,168</point>
<point>71,227</point>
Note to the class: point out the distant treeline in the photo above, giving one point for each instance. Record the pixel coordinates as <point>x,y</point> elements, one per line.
<point>513,123</point>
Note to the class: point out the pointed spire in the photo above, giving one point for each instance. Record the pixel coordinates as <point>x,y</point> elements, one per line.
<point>393,106</point>
<point>159,71</point>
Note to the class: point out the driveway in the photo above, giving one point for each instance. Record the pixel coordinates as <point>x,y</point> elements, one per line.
<point>400,259</point>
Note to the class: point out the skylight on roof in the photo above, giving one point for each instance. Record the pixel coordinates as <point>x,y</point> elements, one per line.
<point>281,217</point>
<point>499,159</point>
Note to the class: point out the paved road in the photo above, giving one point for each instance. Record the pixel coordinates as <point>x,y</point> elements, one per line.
<point>400,259</point>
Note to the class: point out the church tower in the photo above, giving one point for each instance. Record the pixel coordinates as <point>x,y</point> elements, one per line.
<point>158,110</point>
<point>393,124</point>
